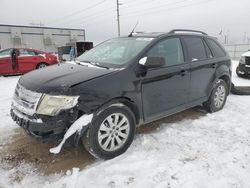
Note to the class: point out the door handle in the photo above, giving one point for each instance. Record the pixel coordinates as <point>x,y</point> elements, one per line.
<point>214,65</point>
<point>183,72</point>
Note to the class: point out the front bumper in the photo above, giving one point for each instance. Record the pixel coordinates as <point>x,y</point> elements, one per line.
<point>47,129</point>
<point>243,69</point>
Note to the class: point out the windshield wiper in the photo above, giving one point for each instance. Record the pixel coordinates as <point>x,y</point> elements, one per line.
<point>81,62</point>
<point>91,63</point>
<point>98,65</point>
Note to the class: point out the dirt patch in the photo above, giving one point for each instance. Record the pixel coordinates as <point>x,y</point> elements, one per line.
<point>24,149</point>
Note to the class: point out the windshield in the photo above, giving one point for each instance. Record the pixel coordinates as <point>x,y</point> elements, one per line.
<point>115,52</point>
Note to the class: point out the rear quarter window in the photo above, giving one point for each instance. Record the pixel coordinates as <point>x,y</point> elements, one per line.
<point>216,49</point>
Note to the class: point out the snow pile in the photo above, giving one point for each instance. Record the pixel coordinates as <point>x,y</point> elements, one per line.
<point>211,151</point>
<point>75,127</point>
<point>7,86</point>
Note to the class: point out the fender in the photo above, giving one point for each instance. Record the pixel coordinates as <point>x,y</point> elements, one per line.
<point>119,101</point>
<point>222,72</point>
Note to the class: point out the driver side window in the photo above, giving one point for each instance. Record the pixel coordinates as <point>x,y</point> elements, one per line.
<point>170,49</point>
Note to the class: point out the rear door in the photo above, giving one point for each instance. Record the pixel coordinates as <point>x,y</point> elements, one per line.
<point>202,67</point>
<point>165,89</point>
<point>5,62</point>
<point>27,60</point>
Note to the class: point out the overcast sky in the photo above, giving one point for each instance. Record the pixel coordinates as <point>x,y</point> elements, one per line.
<point>98,17</point>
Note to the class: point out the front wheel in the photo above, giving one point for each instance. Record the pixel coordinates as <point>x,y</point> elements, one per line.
<point>218,97</point>
<point>111,133</point>
<point>41,65</point>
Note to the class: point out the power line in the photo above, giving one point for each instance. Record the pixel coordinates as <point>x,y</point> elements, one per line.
<point>137,2</point>
<point>155,7</point>
<point>86,23</point>
<point>173,8</point>
<point>89,17</point>
<point>77,12</point>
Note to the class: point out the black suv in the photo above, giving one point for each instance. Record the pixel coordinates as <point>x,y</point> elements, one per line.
<point>123,83</point>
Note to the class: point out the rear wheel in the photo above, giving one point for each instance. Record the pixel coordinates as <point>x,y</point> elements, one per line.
<point>111,133</point>
<point>41,65</point>
<point>218,97</point>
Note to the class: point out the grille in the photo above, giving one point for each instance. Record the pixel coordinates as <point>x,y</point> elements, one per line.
<point>25,100</point>
<point>247,60</point>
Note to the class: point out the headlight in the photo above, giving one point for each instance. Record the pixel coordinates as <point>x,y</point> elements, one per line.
<point>243,60</point>
<point>52,105</point>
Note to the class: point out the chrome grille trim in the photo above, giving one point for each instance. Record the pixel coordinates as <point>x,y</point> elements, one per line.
<point>25,101</point>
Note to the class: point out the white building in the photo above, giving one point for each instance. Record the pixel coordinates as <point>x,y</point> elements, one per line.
<point>43,38</point>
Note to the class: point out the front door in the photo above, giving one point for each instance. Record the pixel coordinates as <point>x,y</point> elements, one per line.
<point>5,62</point>
<point>165,89</point>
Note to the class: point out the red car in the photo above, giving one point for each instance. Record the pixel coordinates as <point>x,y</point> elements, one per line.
<point>23,60</point>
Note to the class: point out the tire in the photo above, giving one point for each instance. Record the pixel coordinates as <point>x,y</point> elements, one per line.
<point>41,65</point>
<point>218,97</point>
<point>103,136</point>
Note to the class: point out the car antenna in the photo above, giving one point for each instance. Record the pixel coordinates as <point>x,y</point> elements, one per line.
<point>131,34</point>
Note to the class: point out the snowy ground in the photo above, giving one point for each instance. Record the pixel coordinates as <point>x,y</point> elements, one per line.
<point>192,149</point>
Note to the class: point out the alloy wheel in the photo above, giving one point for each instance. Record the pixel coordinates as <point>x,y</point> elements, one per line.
<point>219,96</point>
<point>113,132</point>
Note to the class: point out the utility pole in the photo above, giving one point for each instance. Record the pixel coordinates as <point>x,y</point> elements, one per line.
<point>118,17</point>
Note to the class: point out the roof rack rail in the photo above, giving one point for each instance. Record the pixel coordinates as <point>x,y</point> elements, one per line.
<point>187,30</point>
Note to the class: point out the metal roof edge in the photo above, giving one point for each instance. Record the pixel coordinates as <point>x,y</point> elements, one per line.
<point>41,27</point>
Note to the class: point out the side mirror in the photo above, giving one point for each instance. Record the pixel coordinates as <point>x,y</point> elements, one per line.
<point>152,62</point>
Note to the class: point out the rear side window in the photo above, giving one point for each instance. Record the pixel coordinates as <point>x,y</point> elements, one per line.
<point>170,49</point>
<point>216,49</point>
<point>195,48</point>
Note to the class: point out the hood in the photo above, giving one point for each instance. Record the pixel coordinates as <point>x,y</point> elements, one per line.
<point>60,77</point>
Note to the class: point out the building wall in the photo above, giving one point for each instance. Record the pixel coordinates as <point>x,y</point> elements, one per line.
<point>43,38</point>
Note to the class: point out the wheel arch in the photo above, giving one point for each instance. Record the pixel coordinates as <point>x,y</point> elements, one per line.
<point>42,63</point>
<point>222,72</point>
<point>125,101</point>
<point>115,101</point>
<point>227,79</point>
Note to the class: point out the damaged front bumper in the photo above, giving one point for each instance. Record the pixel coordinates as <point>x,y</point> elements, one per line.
<point>43,129</point>
<point>46,117</point>
<point>29,110</point>
<point>243,69</point>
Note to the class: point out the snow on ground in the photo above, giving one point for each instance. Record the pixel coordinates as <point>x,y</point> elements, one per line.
<point>210,151</point>
<point>7,87</point>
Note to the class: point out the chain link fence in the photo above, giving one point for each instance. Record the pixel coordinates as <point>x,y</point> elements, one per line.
<point>236,50</point>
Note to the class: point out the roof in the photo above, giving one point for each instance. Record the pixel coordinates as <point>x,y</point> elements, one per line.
<point>42,27</point>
